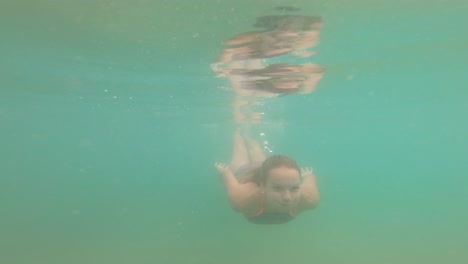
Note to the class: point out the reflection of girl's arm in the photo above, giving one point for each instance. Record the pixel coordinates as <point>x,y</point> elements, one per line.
<point>240,196</point>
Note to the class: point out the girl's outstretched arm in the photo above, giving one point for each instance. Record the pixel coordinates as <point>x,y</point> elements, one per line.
<point>310,196</point>
<point>241,196</point>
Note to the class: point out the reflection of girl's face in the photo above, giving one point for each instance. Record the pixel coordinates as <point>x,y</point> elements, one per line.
<point>315,25</point>
<point>288,83</point>
<point>282,189</point>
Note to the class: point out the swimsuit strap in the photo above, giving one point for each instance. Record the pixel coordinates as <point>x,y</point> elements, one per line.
<point>262,205</point>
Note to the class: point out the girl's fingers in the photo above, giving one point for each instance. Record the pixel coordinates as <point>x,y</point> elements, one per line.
<point>306,170</point>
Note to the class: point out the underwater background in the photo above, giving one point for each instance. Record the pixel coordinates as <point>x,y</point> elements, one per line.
<point>111,121</point>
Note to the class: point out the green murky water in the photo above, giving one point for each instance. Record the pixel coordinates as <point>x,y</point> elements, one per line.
<point>111,120</point>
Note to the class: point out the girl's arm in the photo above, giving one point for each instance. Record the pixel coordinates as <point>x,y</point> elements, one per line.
<point>241,196</point>
<point>310,196</point>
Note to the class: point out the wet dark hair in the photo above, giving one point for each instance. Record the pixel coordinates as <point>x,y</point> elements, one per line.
<point>273,162</point>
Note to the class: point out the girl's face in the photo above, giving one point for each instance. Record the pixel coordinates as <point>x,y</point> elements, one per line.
<point>282,189</point>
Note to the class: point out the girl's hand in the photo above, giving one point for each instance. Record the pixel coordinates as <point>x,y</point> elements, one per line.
<point>307,171</point>
<point>222,168</point>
